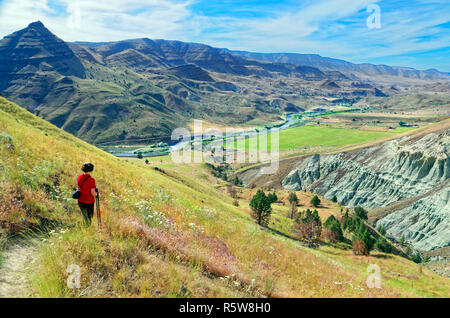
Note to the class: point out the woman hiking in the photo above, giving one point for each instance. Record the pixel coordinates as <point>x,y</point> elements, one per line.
<point>86,185</point>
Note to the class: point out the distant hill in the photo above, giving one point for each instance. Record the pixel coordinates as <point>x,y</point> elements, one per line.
<point>327,63</point>
<point>139,90</point>
<point>146,53</point>
<point>134,90</point>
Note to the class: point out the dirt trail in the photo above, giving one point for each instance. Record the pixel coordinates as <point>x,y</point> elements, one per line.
<point>16,260</point>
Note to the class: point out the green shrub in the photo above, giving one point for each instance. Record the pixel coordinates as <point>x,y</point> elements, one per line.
<point>334,199</point>
<point>351,223</point>
<point>409,251</point>
<point>417,258</point>
<point>237,182</point>
<point>360,212</point>
<point>293,198</point>
<point>261,208</point>
<point>381,229</point>
<point>4,138</point>
<point>363,235</point>
<point>403,240</point>
<point>333,224</point>
<point>272,197</point>
<point>7,141</point>
<point>383,245</point>
<point>220,171</point>
<point>310,227</point>
<point>315,201</point>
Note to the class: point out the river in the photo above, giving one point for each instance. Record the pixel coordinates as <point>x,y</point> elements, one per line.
<point>289,122</point>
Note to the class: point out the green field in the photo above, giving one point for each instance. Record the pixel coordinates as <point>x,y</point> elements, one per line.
<point>322,136</point>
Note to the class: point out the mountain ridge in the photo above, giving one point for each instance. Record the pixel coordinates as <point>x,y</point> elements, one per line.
<point>142,89</point>
<point>319,61</point>
<point>277,56</point>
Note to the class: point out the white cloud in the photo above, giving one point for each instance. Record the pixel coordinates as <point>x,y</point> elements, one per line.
<point>100,20</point>
<point>335,28</point>
<point>299,30</point>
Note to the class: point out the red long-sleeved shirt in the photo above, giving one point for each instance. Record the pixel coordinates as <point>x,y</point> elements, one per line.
<point>86,195</point>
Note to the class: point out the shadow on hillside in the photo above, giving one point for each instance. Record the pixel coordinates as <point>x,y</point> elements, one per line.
<point>382,256</point>
<point>342,245</point>
<point>274,231</point>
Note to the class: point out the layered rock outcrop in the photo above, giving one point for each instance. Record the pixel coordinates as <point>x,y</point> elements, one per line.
<point>32,61</point>
<point>416,170</point>
<point>35,49</point>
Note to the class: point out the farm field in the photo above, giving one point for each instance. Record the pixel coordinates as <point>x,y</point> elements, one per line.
<point>298,137</point>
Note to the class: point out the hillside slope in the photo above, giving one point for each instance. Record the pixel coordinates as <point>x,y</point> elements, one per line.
<point>165,235</point>
<point>407,179</point>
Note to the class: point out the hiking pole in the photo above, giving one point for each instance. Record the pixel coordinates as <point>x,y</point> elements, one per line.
<point>99,218</point>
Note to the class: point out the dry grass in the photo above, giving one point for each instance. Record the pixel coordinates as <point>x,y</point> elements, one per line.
<point>210,252</point>
<point>171,234</point>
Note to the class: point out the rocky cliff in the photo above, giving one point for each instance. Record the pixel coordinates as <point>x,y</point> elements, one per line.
<point>408,177</point>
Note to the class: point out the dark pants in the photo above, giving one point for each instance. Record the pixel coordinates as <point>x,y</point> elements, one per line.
<point>88,211</point>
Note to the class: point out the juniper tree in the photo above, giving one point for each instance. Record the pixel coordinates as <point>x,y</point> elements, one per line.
<point>417,258</point>
<point>310,227</point>
<point>292,210</point>
<point>351,223</point>
<point>403,240</point>
<point>261,208</point>
<point>272,197</point>
<point>293,198</point>
<point>315,201</point>
<point>237,182</point>
<point>360,212</point>
<point>383,245</point>
<point>381,229</point>
<point>333,224</point>
<point>362,238</point>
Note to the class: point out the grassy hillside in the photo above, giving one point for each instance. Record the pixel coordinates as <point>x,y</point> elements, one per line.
<point>166,234</point>
<point>430,102</point>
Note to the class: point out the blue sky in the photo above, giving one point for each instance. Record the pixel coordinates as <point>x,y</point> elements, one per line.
<point>413,33</point>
